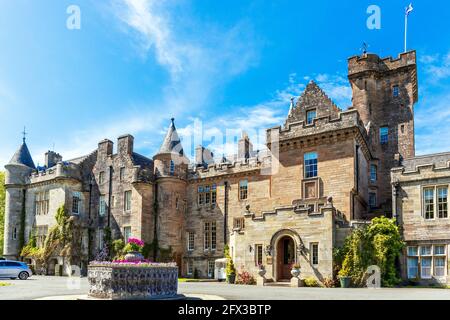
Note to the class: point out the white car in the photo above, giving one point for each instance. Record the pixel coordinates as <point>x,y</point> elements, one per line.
<point>14,269</point>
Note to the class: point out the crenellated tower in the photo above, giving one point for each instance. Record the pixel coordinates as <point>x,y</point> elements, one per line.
<point>171,167</point>
<point>384,93</point>
<point>18,171</point>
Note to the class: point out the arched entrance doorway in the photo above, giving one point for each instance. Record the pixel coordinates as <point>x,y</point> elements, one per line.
<point>285,257</point>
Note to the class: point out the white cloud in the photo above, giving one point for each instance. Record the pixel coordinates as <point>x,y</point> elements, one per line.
<point>437,66</point>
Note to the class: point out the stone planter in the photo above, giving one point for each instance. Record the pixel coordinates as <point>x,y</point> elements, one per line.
<point>134,256</point>
<point>262,272</point>
<point>117,282</point>
<point>295,273</point>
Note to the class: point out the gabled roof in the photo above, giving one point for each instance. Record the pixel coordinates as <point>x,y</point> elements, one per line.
<point>171,143</point>
<point>23,157</point>
<point>313,97</point>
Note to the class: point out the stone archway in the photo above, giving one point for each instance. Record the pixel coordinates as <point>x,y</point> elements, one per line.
<point>285,246</point>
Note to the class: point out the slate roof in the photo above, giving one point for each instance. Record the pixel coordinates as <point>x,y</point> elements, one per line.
<point>23,157</point>
<point>141,160</point>
<point>171,143</point>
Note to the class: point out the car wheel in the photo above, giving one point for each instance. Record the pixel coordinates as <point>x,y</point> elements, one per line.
<point>23,275</point>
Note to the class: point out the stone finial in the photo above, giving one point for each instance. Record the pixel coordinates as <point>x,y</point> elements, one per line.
<point>291,108</point>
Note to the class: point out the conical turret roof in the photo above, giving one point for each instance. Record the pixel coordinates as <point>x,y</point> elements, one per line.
<point>171,143</point>
<point>23,157</point>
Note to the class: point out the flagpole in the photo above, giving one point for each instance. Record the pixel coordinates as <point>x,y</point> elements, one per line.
<point>406,29</point>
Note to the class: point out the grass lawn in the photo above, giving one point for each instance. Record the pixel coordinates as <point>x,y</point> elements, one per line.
<point>4,284</point>
<point>188,280</point>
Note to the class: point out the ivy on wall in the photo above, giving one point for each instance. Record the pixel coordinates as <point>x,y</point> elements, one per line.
<point>378,243</point>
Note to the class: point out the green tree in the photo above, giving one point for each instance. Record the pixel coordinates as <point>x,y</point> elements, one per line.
<point>2,209</point>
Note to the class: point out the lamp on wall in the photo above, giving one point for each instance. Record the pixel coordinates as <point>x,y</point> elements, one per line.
<point>250,248</point>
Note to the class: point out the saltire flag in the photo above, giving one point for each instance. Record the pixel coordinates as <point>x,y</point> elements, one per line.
<point>409,9</point>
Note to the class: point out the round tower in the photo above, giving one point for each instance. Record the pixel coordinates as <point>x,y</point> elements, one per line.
<point>171,167</point>
<point>17,175</point>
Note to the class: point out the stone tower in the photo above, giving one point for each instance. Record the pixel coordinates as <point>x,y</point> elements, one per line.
<point>384,93</point>
<point>171,167</point>
<point>17,175</point>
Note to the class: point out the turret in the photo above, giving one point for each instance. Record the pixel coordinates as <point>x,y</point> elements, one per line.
<point>171,167</point>
<point>17,175</point>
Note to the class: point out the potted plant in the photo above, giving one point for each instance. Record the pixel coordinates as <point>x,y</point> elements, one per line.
<point>295,270</point>
<point>230,271</point>
<point>133,250</point>
<point>344,276</point>
<point>261,270</point>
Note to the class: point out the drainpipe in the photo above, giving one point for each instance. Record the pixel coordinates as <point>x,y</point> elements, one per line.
<point>110,195</point>
<point>225,216</point>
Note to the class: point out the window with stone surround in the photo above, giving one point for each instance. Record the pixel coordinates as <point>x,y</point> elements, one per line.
<point>190,241</point>
<point>126,233</point>
<point>426,261</point>
<point>14,234</point>
<point>211,267</point>
<point>101,206</point>
<point>258,254</point>
<point>373,173</point>
<point>41,233</point>
<point>243,189</point>
<point>189,268</point>
<point>101,177</point>
<point>127,200</point>
<point>239,223</point>
<point>210,235</point>
<point>122,174</point>
<point>207,195</point>
<point>435,202</point>
<point>310,116</point>
<point>310,164</point>
<point>384,135</point>
<point>76,202</point>
<point>172,168</point>
<point>314,254</point>
<point>395,91</point>
<point>41,203</point>
<point>372,200</point>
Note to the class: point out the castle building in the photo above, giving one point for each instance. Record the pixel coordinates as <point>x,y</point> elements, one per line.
<point>325,171</point>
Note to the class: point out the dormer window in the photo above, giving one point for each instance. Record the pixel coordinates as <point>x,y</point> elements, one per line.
<point>310,116</point>
<point>395,91</point>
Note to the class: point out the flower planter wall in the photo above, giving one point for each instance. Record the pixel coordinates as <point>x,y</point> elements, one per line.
<point>132,282</point>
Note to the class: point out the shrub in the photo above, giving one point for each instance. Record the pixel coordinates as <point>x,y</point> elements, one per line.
<point>311,282</point>
<point>245,278</point>
<point>329,283</point>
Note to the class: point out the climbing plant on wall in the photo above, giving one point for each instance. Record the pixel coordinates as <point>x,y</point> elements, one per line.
<point>378,243</point>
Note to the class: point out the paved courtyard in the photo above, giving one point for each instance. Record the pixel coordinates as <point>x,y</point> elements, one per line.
<point>40,287</point>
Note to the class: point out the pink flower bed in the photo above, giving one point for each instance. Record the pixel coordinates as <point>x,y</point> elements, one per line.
<point>136,241</point>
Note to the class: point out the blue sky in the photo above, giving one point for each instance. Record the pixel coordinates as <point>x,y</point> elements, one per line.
<point>230,64</point>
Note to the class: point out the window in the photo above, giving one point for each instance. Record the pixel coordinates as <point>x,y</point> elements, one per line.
<point>239,223</point>
<point>101,177</point>
<point>373,173</point>
<point>14,234</point>
<point>211,266</point>
<point>122,174</point>
<point>41,203</point>
<point>177,205</point>
<point>207,195</point>
<point>210,236</point>
<point>310,116</point>
<point>258,254</point>
<point>190,268</point>
<point>76,199</point>
<point>113,202</point>
<point>214,194</point>
<point>430,258</point>
<point>442,201</point>
<point>127,200</point>
<point>315,254</point>
<point>172,168</point>
<point>190,244</point>
<point>384,135</point>
<point>428,199</point>
<point>310,160</point>
<point>243,189</point>
<point>372,200</point>
<point>102,206</point>
<point>126,233</point>
<point>41,234</point>
<point>395,91</point>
